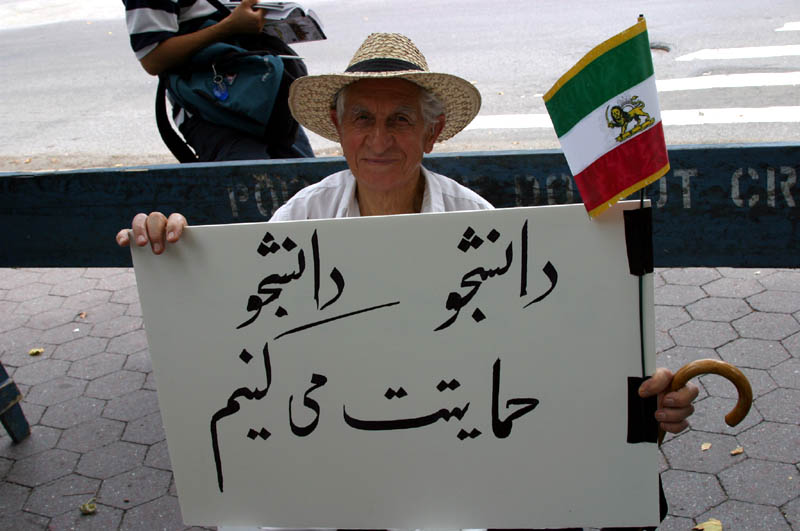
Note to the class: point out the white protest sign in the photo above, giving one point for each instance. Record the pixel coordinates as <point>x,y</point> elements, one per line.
<point>455,370</point>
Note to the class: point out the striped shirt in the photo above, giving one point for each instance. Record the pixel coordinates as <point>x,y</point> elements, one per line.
<point>153,21</point>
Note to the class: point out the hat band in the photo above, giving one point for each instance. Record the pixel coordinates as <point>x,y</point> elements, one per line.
<point>382,65</point>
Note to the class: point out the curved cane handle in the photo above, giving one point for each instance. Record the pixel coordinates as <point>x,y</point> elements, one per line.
<point>726,370</point>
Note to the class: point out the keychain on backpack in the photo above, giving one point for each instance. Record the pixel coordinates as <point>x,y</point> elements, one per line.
<point>220,90</point>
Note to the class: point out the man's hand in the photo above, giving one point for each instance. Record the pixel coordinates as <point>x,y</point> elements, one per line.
<point>155,228</point>
<point>245,18</point>
<point>674,407</point>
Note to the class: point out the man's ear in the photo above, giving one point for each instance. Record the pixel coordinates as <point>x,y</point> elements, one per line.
<point>433,133</point>
<point>335,119</point>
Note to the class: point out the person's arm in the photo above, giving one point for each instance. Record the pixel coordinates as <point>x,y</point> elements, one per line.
<point>176,50</point>
<point>674,407</point>
<point>155,228</point>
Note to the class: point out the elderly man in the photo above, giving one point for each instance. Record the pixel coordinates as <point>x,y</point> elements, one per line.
<point>387,110</point>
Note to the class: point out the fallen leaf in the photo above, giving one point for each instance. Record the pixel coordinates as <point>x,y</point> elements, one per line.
<point>90,507</point>
<point>35,351</point>
<point>27,161</point>
<point>705,446</point>
<point>82,315</point>
<point>711,525</point>
<point>500,93</point>
<point>738,450</point>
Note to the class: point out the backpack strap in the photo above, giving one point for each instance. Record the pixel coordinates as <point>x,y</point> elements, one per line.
<point>173,141</point>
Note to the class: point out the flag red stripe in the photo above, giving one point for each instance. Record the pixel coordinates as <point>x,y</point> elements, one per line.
<point>624,166</point>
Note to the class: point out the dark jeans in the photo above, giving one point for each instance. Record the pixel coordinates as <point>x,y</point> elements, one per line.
<point>212,142</point>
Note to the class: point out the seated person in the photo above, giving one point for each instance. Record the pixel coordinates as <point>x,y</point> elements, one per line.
<point>387,110</point>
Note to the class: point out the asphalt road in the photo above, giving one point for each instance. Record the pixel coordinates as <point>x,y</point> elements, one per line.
<point>74,96</point>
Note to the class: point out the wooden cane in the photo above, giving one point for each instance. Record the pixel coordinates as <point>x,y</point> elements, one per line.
<point>724,369</point>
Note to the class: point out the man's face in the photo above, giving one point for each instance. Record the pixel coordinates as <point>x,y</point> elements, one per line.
<point>383,133</point>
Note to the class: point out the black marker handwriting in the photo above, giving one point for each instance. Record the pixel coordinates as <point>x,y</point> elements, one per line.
<point>502,428</point>
<point>317,381</point>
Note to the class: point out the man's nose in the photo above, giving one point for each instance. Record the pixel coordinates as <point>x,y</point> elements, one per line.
<point>381,138</point>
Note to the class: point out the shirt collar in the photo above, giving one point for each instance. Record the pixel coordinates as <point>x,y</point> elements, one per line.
<point>431,198</point>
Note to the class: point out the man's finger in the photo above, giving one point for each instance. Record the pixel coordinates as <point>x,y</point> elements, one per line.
<point>123,239</point>
<point>682,397</point>
<point>658,383</point>
<point>139,228</point>
<point>156,224</point>
<point>175,225</point>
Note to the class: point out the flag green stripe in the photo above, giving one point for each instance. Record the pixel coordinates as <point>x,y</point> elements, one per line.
<point>618,69</point>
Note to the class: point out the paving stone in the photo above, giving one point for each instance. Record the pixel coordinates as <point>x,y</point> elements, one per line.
<point>663,341</point>
<point>51,318</point>
<point>27,292</point>
<point>14,278</point>
<point>65,333</point>
<point>709,416</point>
<point>791,343</point>
<point>115,384</point>
<point>753,353</point>
<point>43,467</point>
<point>55,391</point>
<point>62,495</point>
<point>134,309</point>
<point>733,287</point>
<point>129,295</point>
<point>41,371</point>
<point>139,362</point>
<point>60,275</point>
<point>42,304</point>
<point>792,513</point>
<point>772,441</point>
<point>42,438</point>
<point>743,272</point>
<point>690,276</point>
<point>134,487</point>
<point>691,493</point>
<point>758,481</point>
<point>674,523</point>
<point>15,344</point>
<point>718,309</point>
<point>118,325</point>
<point>742,516</point>
<point>111,460</point>
<point>12,497</point>
<point>74,286</point>
<point>104,519</point>
<point>80,348</point>
<point>72,412</point>
<point>103,272</point>
<point>788,280</point>
<point>760,382</point>
<point>11,321</point>
<point>122,280</point>
<point>33,412</point>
<point>91,434</point>
<point>173,487</point>
<point>668,317</point>
<point>162,513</point>
<point>781,405</point>
<point>776,301</point>
<point>145,430</point>
<point>658,278</point>
<point>703,334</point>
<point>675,358</point>
<point>762,325</point>
<point>150,382</point>
<point>22,521</point>
<point>86,300</point>
<point>673,295</point>
<point>96,366</point>
<point>105,312</point>
<point>5,466</point>
<point>129,343</point>
<point>685,452</point>
<point>787,374</point>
<point>158,456</point>
<point>132,405</point>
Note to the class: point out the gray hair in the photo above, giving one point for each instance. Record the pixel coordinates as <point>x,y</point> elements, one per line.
<point>431,106</point>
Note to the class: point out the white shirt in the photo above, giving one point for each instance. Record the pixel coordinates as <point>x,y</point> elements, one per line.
<point>335,197</point>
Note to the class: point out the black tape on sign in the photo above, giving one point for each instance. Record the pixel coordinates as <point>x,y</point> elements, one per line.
<point>639,240</point>
<point>642,424</point>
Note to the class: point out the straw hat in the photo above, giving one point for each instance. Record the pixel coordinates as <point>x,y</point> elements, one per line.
<point>383,55</point>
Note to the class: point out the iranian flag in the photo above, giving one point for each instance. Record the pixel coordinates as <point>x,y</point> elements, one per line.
<point>605,113</point>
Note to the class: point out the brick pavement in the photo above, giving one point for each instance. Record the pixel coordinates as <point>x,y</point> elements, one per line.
<point>96,428</point>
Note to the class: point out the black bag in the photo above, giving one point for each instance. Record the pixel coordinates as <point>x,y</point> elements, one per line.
<point>244,86</point>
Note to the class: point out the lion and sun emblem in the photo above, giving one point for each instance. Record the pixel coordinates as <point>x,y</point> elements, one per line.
<point>627,112</point>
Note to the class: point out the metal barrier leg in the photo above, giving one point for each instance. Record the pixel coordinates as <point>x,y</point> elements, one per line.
<point>11,415</point>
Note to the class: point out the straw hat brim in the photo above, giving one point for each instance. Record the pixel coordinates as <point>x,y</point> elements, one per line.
<point>311,98</point>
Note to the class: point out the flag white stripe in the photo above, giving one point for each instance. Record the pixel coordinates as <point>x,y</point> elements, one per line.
<point>591,138</point>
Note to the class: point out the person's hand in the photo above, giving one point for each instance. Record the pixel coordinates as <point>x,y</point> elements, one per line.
<point>245,18</point>
<point>674,407</point>
<point>155,228</point>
